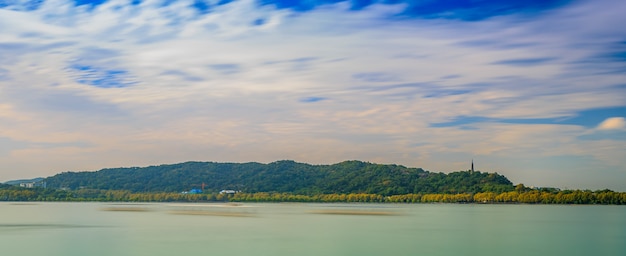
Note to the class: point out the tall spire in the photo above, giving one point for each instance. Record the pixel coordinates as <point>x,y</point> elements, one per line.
<point>472,165</point>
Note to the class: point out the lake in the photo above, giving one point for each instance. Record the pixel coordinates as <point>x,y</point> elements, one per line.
<point>91,229</point>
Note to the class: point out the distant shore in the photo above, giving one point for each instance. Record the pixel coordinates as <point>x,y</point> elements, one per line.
<point>528,196</point>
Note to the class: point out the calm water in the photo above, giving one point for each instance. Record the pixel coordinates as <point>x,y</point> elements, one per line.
<point>310,229</point>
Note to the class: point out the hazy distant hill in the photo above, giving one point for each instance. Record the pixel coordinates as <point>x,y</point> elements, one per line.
<point>283,176</point>
<point>18,182</point>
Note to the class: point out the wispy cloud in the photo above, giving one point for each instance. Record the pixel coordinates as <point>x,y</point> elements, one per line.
<point>523,62</point>
<point>226,68</point>
<point>426,83</point>
<point>376,77</point>
<point>100,77</point>
<point>312,99</point>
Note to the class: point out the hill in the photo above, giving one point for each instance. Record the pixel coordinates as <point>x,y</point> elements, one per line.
<point>283,176</point>
<point>18,182</point>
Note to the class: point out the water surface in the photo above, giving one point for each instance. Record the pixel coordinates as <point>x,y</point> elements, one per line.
<point>310,229</point>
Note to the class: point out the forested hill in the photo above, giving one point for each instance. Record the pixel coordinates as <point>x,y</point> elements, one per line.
<point>283,176</point>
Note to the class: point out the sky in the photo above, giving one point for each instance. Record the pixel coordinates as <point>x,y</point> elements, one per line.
<point>534,90</point>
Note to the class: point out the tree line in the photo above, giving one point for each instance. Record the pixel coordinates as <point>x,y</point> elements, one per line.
<point>525,196</point>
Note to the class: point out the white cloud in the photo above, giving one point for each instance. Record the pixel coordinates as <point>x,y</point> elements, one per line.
<point>613,123</point>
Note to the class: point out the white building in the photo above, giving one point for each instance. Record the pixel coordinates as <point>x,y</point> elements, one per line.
<point>40,184</point>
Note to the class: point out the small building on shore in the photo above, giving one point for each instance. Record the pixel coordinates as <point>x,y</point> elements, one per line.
<point>228,191</point>
<point>35,184</point>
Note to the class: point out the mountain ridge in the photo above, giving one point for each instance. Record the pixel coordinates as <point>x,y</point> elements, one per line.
<point>351,176</point>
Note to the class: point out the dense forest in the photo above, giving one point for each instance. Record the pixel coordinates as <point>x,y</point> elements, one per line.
<point>349,177</point>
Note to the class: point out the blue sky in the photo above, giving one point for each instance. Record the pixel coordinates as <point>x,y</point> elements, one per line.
<point>534,90</point>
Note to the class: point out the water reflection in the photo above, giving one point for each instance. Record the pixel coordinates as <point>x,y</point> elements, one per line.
<point>358,209</point>
<point>41,226</point>
<point>353,212</point>
<point>227,210</point>
<point>251,210</point>
<point>125,209</point>
<point>23,204</point>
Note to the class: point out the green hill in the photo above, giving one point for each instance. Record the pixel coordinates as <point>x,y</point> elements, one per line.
<point>283,176</point>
